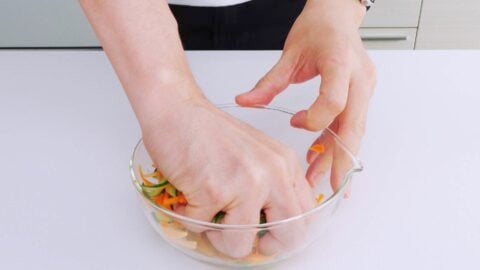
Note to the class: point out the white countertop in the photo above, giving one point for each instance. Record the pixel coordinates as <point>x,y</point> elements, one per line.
<point>67,132</point>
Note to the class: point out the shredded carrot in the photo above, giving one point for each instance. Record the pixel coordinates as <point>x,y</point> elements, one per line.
<point>181,199</point>
<point>170,201</point>
<point>319,148</point>
<point>319,198</point>
<point>145,180</point>
<point>160,198</point>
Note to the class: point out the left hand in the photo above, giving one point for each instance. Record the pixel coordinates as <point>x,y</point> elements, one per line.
<point>324,40</point>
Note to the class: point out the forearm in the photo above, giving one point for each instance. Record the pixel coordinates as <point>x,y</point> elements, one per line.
<point>142,42</point>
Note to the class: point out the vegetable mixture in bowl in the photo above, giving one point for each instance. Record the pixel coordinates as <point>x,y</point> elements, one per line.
<point>160,198</point>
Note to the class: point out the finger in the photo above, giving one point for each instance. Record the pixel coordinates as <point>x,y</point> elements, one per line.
<point>274,82</point>
<point>320,166</point>
<point>321,140</point>
<point>312,155</point>
<point>304,193</point>
<point>286,236</point>
<point>236,243</point>
<point>330,102</point>
<point>351,128</point>
<point>197,213</point>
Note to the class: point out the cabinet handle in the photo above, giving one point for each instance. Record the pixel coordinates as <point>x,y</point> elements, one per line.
<point>384,37</point>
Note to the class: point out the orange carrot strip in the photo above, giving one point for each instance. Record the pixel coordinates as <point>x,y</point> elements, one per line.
<point>154,174</point>
<point>319,148</point>
<point>165,197</point>
<point>168,202</point>
<point>145,180</point>
<point>182,199</point>
<point>159,199</point>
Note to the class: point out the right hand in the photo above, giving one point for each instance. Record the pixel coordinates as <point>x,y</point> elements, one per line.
<point>223,164</point>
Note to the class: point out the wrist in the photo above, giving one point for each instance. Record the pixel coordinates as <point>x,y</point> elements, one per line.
<point>343,14</point>
<point>155,103</point>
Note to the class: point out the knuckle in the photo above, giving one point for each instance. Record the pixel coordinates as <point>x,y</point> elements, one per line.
<point>269,82</point>
<point>279,170</point>
<point>338,60</point>
<point>313,123</point>
<point>216,195</point>
<point>255,183</point>
<point>278,161</point>
<point>334,104</point>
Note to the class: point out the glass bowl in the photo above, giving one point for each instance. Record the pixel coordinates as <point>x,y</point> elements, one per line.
<point>189,235</point>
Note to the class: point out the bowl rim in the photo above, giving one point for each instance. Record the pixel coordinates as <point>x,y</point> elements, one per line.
<point>356,167</point>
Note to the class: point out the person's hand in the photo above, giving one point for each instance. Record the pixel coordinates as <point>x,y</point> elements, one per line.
<point>218,162</point>
<point>324,40</point>
<point>223,164</point>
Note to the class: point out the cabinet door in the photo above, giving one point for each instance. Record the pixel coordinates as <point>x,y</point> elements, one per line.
<point>389,38</point>
<point>449,25</point>
<point>394,13</point>
<point>44,23</point>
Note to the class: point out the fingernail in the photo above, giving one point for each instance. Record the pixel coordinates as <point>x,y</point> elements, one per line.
<point>294,122</point>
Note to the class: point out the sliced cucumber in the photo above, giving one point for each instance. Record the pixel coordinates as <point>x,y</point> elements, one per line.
<point>218,217</point>
<point>171,190</point>
<point>263,219</point>
<point>152,191</point>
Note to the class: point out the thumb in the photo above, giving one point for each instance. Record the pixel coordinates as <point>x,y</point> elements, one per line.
<point>274,82</point>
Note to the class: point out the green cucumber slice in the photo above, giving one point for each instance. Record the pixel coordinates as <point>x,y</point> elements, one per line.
<point>218,217</point>
<point>152,191</point>
<point>171,190</point>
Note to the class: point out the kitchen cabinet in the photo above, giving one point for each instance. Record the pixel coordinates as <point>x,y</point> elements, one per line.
<point>393,13</point>
<point>61,23</point>
<point>44,23</point>
<point>449,25</point>
<point>390,24</point>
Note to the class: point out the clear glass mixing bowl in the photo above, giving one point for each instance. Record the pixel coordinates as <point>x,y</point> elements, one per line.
<point>181,231</point>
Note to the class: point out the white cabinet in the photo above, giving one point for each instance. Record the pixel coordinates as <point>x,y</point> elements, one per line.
<point>393,13</point>
<point>44,23</point>
<point>61,23</point>
<point>449,24</point>
<point>390,24</point>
